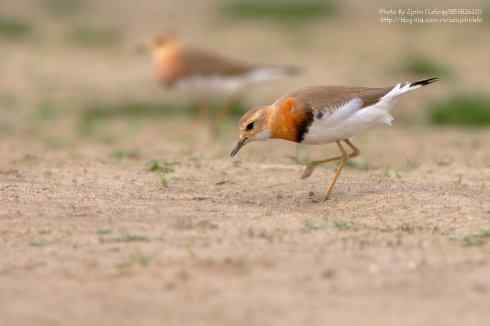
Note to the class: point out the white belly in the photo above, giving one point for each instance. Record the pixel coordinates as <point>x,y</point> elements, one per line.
<point>226,85</point>
<point>323,132</point>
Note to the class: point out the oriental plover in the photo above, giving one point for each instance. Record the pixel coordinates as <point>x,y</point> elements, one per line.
<point>322,115</point>
<point>205,73</point>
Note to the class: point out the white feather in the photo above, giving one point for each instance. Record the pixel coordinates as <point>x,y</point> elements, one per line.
<point>343,112</point>
<point>350,120</point>
<point>226,85</point>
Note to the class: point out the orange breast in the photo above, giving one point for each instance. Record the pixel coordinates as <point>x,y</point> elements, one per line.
<point>168,65</point>
<point>289,121</point>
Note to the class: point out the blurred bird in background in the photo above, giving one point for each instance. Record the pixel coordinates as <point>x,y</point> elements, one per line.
<point>206,74</point>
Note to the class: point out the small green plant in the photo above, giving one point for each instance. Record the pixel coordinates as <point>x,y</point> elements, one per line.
<point>342,225</point>
<point>324,224</point>
<point>135,259</point>
<point>485,233</point>
<point>392,173</point>
<point>312,225</point>
<point>476,239</point>
<point>126,238</point>
<point>162,169</point>
<point>472,240</point>
<point>154,166</point>
<point>121,154</point>
<point>132,238</point>
<point>14,28</point>
<point>164,180</point>
<point>95,37</point>
<point>39,243</point>
<point>103,231</point>
<point>283,11</point>
<point>423,66</point>
<point>463,110</point>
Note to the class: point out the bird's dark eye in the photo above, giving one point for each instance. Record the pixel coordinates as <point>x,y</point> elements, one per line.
<point>251,125</point>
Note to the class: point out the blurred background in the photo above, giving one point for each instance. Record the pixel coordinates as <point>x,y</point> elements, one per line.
<point>69,66</point>
<point>119,207</point>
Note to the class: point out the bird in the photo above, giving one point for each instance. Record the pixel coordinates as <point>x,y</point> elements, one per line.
<point>318,115</point>
<point>206,73</point>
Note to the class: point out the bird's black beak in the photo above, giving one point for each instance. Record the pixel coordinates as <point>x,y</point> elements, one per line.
<point>238,145</point>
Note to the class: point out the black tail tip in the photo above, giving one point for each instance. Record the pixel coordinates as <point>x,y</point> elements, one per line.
<point>425,82</point>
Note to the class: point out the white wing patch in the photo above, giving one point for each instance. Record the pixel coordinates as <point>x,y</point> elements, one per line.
<point>380,111</point>
<point>351,119</point>
<point>341,113</point>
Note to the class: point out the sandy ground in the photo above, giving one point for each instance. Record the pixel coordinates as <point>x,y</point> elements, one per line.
<point>89,236</point>
<point>90,239</point>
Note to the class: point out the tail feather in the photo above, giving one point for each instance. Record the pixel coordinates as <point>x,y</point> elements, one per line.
<point>424,82</point>
<point>402,88</point>
<point>380,110</point>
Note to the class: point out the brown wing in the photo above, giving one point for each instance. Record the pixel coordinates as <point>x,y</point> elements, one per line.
<point>327,99</point>
<point>200,62</point>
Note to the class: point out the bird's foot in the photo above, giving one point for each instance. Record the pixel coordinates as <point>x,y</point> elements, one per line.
<point>308,171</point>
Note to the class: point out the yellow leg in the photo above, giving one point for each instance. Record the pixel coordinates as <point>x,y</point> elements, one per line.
<point>355,150</point>
<point>343,160</point>
<point>310,167</point>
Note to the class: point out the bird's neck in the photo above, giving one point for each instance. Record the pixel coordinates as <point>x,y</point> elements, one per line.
<point>167,52</point>
<point>284,123</point>
<point>167,62</point>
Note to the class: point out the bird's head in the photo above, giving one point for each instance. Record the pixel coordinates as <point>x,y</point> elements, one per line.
<point>161,41</point>
<point>285,119</point>
<point>254,125</point>
<point>157,43</point>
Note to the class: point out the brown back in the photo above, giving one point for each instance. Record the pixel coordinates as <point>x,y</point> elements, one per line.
<point>329,98</point>
<point>200,62</point>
